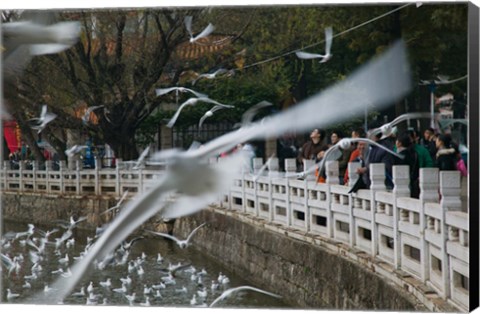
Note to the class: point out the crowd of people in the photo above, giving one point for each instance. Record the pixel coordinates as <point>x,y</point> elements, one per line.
<point>432,150</point>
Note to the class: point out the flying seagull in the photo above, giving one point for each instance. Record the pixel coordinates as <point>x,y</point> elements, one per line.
<point>75,149</point>
<point>119,203</point>
<point>163,91</point>
<point>387,128</point>
<point>25,39</point>
<point>199,183</point>
<point>137,163</point>
<point>248,115</point>
<point>181,243</point>
<point>210,112</point>
<point>229,292</point>
<point>328,45</point>
<point>210,75</point>
<point>41,122</point>
<point>191,102</point>
<point>207,31</point>
<point>334,152</point>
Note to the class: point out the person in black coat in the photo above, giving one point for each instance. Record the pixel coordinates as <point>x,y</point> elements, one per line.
<point>406,148</point>
<point>446,157</point>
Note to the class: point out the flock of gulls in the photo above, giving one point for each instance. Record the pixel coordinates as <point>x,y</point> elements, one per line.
<point>189,174</point>
<point>31,257</point>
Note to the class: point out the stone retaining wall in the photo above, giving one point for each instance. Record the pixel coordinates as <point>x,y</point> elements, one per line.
<point>305,275</point>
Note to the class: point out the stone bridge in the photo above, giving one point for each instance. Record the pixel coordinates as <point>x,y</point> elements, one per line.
<point>418,245</point>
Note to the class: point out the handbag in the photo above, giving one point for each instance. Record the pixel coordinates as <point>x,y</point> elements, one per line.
<point>462,167</point>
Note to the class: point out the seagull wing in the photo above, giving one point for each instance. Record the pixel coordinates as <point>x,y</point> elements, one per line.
<point>369,141</point>
<point>228,292</point>
<point>165,235</point>
<point>390,71</point>
<point>328,40</point>
<point>43,113</point>
<point>207,31</point>
<point>194,231</point>
<point>188,25</point>
<point>202,119</point>
<point>206,99</point>
<point>307,55</point>
<point>49,117</point>
<point>163,91</point>
<point>144,154</point>
<point>248,115</point>
<point>413,115</point>
<point>172,121</point>
<point>199,95</point>
<point>333,153</point>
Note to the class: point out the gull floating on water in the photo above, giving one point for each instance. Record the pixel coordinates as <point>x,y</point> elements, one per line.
<point>229,292</point>
<point>11,295</point>
<point>181,243</point>
<point>328,45</point>
<point>207,31</point>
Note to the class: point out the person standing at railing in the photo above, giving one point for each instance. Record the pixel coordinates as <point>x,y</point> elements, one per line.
<point>357,155</point>
<point>344,158</point>
<point>405,147</point>
<point>378,155</point>
<point>446,155</point>
<point>424,158</point>
<point>313,149</point>
<point>428,142</point>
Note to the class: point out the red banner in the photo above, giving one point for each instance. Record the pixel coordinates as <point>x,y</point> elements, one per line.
<point>11,132</point>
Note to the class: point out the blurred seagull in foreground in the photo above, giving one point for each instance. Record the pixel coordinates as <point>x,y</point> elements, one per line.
<point>229,292</point>
<point>210,112</point>
<point>207,31</point>
<point>25,39</point>
<point>248,115</point>
<point>328,45</point>
<point>191,102</point>
<point>199,183</point>
<point>181,243</point>
<point>41,122</point>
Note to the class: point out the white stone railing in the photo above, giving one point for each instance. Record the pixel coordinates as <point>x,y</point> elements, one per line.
<point>427,238</point>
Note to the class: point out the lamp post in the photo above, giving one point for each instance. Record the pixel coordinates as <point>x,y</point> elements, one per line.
<point>442,80</point>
